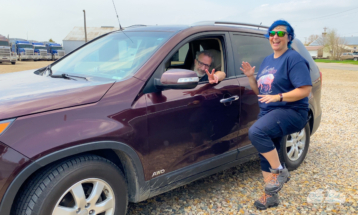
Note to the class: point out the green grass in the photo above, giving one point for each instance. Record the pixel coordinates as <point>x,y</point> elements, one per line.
<point>337,61</point>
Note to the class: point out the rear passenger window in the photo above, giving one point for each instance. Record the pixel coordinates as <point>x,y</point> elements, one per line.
<point>252,49</point>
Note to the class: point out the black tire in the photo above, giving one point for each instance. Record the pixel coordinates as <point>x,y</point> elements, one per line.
<point>44,190</point>
<point>284,158</point>
<point>13,63</point>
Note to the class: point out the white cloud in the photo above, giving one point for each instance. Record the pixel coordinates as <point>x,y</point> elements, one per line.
<point>301,8</point>
<point>42,19</point>
<point>45,19</point>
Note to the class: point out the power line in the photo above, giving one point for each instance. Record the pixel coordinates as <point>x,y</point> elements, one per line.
<point>351,33</point>
<point>326,15</point>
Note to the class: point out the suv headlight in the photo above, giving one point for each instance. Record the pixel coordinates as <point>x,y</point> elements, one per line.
<point>5,124</point>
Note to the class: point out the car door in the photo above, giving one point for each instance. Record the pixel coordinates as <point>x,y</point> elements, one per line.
<point>193,129</point>
<point>252,48</point>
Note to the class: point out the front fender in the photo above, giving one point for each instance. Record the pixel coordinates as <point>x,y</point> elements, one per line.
<point>138,188</point>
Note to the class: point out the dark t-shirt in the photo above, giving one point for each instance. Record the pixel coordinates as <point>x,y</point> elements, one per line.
<point>282,75</point>
<point>204,78</point>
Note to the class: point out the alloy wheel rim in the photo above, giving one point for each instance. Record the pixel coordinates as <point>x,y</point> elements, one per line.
<point>295,145</point>
<point>91,196</point>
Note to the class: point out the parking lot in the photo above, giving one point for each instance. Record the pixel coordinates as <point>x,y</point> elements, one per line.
<point>22,66</point>
<point>327,177</point>
<point>330,168</point>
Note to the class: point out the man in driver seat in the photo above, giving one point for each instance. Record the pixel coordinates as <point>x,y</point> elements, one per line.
<point>202,63</point>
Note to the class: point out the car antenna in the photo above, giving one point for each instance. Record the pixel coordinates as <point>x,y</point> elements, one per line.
<point>120,27</point>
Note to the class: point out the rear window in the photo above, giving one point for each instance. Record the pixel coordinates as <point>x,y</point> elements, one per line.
<point>252,49</point>
<point>114,56</point>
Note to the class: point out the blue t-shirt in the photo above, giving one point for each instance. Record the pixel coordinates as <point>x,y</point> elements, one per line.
<point>281,75</point>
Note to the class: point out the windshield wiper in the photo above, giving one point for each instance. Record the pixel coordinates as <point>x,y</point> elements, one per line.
<point>67,76</point>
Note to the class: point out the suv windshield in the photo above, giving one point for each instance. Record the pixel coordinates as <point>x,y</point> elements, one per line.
<point>115,56</point>
<point>4,43</point>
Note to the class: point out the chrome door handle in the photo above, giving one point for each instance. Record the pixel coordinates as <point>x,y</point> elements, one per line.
<point>230,99</point>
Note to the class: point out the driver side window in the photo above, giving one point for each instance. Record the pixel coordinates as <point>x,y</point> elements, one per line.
<point>178,58</point>
<point>185,57</point>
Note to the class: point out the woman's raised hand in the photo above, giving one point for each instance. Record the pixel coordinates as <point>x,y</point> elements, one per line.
<point>247,69</point>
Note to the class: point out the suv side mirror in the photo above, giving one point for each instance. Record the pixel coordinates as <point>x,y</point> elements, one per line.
<point>177,79</point>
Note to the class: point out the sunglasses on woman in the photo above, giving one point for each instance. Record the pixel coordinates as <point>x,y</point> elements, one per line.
<point>279,33</point>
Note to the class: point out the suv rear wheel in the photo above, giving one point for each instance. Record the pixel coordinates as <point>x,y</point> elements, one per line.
<point>294,148</point>
<point>86,184</point>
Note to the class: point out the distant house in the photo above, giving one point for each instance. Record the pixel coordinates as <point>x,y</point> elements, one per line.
<point>313,50</point>
<point>76,37</point>
<point>352,42</point>
<point>316,49</point>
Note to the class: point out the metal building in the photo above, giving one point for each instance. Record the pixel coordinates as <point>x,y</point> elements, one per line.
<point>76,37</point>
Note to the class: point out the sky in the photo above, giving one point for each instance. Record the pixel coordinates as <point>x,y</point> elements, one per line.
<point>44,19</point>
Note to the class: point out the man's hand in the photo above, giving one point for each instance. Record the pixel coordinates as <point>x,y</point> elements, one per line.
<point>213,79</point>
<point>269,98</point>
<point>191,93</point>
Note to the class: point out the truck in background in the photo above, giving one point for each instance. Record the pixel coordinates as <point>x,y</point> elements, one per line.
<point>55,49</point>
<point>5,52</point>
<point>23,49</point>
<point>40,51</point>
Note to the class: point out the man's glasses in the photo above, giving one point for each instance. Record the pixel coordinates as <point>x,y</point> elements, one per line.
<point>279,33</point>
<point>202,64</point>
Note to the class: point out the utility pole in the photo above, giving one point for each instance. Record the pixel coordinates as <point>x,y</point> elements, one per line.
<point>84,14</point>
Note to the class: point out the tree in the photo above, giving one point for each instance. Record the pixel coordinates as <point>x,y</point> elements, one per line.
<point>50,40</point>
<point>311,38</point>
<point>333,44</point>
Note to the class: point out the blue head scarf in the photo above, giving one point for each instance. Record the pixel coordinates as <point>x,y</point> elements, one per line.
<point>289,29</point>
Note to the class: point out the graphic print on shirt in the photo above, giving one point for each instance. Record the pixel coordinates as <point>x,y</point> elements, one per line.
<point>265,80</point>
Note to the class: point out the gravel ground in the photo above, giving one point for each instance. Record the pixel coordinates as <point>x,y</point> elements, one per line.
<point>330,168</point>
<point>22,66</point>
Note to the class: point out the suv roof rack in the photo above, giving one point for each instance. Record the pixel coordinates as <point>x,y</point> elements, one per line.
<point>228,23</point>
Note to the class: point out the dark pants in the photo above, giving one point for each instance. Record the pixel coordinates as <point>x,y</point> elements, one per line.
<point>267,132</point>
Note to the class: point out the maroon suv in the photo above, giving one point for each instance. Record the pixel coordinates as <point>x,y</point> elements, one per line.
<point>124,118</point>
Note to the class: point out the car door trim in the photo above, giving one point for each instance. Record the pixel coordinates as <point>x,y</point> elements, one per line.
<point>183,176</point>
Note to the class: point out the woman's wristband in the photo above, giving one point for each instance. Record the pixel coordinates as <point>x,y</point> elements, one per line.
<point>281,97</point>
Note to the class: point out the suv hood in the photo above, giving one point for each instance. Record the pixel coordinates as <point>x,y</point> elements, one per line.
<point>23,93</point>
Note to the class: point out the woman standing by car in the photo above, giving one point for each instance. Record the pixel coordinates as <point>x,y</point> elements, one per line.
<point>283,86</point>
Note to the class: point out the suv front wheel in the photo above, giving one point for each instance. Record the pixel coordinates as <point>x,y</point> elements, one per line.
<point>86,184</point>
<point>294,148</point>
